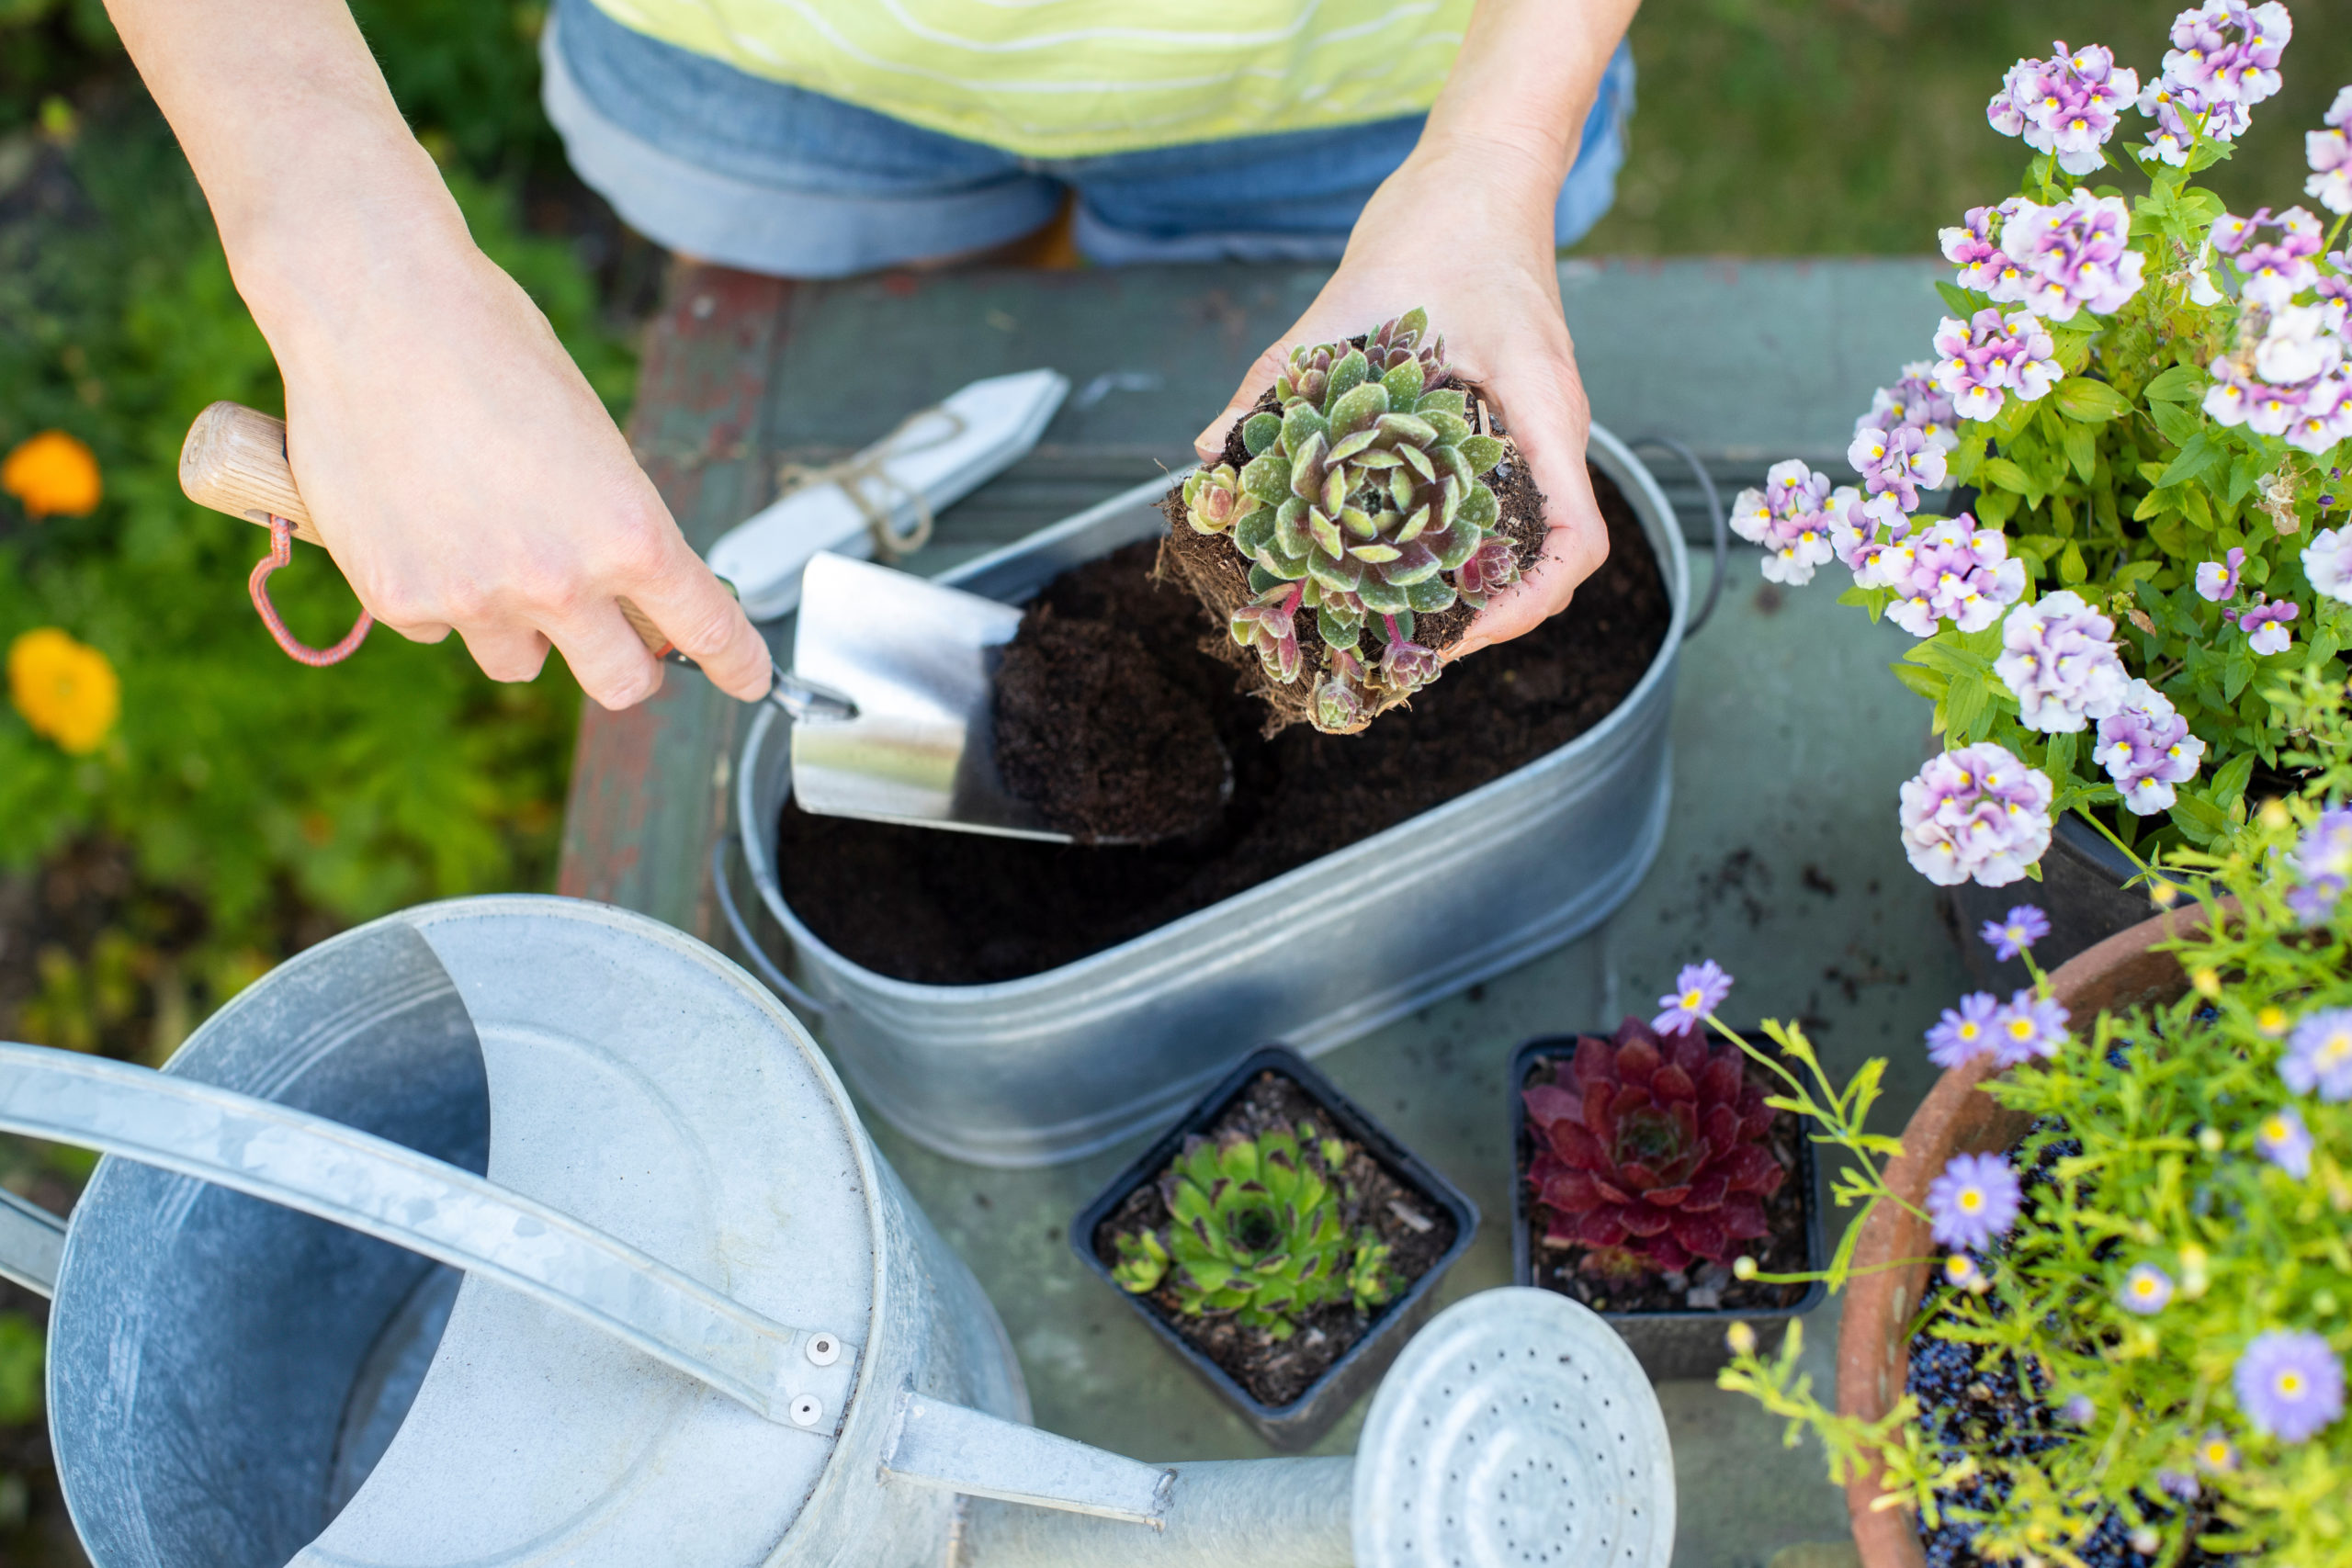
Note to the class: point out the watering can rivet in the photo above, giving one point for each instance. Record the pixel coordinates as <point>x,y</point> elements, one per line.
<point>824,1350</point>
<point>806,1410</point>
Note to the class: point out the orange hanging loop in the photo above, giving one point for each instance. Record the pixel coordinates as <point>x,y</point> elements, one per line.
<point>281,551</point>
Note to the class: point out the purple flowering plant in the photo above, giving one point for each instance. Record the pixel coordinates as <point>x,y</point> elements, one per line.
<point>2166,1246</point>
<point>2140,407</point>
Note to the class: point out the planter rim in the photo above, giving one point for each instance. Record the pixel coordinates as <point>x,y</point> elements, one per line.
<point>1353,1122</point>
<point>1522,1234</point>
<point>2122,971</point>
<point>1606,450</point>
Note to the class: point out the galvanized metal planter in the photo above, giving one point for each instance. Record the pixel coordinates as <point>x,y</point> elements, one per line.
<point>1056,1066</point>
<point>1297,1424</point>
<point>1669,1345</point>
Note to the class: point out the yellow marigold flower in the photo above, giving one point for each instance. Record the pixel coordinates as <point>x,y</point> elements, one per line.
<point>66,690</point>
<point>53,475</point>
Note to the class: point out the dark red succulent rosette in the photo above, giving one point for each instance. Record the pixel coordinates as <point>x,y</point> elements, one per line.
<point>1652,1148</point>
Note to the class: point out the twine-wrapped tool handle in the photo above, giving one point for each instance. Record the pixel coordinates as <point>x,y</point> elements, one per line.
<point>234,461</point>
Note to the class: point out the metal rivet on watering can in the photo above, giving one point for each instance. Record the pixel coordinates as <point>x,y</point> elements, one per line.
<point>675,1178</point>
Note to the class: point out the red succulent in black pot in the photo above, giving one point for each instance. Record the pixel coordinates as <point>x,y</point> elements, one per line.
<point>1651,1152</point>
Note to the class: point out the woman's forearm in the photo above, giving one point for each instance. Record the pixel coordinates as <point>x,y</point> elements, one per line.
<point>1523,82</point>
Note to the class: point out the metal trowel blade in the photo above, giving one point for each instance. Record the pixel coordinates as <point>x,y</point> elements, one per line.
<point>919,662</point>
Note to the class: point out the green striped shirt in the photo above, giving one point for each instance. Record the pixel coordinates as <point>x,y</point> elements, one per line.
<point>1071,78</point>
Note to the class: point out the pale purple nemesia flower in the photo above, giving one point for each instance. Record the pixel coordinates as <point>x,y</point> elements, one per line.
<point>2077,254</point>
<point>1788,517</point>
<point>1914,403</point>
<point>2178,1484</point>
<point>2266,625</point>
<point>1973,1201</point>
<point>2216,1452</point>
<point>1855,524</point>
<point>2283,1140</point>
<point>1989,357</point>
<point>2146,749</point>
<point>2325,418</point>
<point>2217,580</point>
<point>1984,267</point>
<point>2301,343</point>
<point>2329,154</point>
<point>2324,857</point>
<point>1963,1032</point>
<point>1699,989</point>
<point>2230,232</point>
<point>1900,462</point>
<point>2079,1410</point>
<point>2319,1055</point>
<point>2277,270</point>
<point>1977,813</point>
<point>2012,934</point>
<point>2181,112</point>
<point>2242,70</point>
<point>2327,562</point>
<point>2290,1383</point>
<point>2058,659</point>
<point>2146,1289</point>
<point>2029,1027</point>
<point>1952,570</point>
<point>2067,105</point>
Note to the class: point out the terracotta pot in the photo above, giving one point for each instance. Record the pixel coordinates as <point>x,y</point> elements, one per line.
<point>1957,1116</point>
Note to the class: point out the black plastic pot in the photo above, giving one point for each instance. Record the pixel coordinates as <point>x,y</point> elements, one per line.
<point>1296,1425</point>
<point>2081,890</point>
<point>1669,1345</point>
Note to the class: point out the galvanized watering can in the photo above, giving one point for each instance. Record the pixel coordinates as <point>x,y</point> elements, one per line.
<point>527,1231</point>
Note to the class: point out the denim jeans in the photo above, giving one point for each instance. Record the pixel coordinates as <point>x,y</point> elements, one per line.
<point>754,173</point>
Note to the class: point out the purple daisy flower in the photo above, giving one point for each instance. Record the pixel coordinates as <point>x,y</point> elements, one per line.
<point>2029,1027</point>
<point>2217,580</point>
<point>1699,990</point>
<point>2290,1383</point>
<point>2283,1140</point>
<point>1961,1273</point>
<point>1963,1031</point>
<point>1975,814</point>
<point>2216,1452</point>
<point>1973,1201</point>
<point>2146,749</point>
<point>2012,934</point>
<point>2323,858</point>
<point>2058,658</point>
<point>2146,1290</point>
<point>2079,1410</point>
<point>2178,1484</point>
<point>2319,1055</point>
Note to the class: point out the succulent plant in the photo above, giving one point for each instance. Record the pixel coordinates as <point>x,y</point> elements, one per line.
<point>1256,1231</point>
<point>1651,1152</point>
<point>1362,502</point>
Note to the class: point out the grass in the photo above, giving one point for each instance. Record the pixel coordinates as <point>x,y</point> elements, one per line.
<point>1841,126</point>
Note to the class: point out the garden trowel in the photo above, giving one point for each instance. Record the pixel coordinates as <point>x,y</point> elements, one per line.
<point>892,686</point>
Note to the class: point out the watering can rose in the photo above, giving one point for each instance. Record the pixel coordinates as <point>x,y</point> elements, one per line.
<point>66,690</point>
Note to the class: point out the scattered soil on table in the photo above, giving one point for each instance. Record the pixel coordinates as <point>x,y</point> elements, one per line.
<point>1707,1286</point>
<point>1218,574</point>
<point>959,908</point>
<point>1276,1371</point>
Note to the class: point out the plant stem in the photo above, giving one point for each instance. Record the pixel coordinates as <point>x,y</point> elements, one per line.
<point>2109,834</point>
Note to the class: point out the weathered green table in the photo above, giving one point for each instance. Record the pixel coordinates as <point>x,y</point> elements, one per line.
<point>1782,860</point>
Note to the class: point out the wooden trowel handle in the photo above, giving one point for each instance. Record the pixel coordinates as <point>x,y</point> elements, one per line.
<point>234,461</point>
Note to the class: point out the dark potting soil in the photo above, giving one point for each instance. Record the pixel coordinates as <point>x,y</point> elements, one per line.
<point>1706,1287</point>
<point>1973,1399</point>
<point>1218,576</point>
<point>1276,1371</point>
<point>956,908</point>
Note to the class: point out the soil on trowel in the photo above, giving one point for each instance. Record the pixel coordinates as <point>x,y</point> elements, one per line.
<point>958,909</point>
<point>1218,575</point>
<point>1706,1286</point>
<point>1417,1228</point>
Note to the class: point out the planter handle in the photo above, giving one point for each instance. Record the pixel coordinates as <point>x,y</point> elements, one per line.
<point>1718,525</point>
<point>721,854</point>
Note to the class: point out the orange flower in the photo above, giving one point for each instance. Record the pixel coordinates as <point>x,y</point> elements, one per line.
<point>53,475</point>
<point>66,690</point>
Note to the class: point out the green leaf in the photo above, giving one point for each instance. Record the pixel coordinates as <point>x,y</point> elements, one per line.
<point>2091,402</point>
<point>2071,566</point>
<point>1964,304</point>
<point>1927,682</point>
<point>2229,784</point>
<point>1267,477</point>
<point>1346,376</point>
<point>2202,460</point>
<point>2237,672</point>
<point>2007,474</point>
<point>2179,422</point>
<point>2181,384</point>
<point>2082,451</point>
<point>1482,452</point>
<point>1968,709</point>
<point>1260,430</point>
<point>1403,386</point>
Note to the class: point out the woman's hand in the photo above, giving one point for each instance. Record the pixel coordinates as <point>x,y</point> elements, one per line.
<point>460,468</point>
<point>1463,230</point>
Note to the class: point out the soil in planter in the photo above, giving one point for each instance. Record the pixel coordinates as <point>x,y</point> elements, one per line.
<point>1706,1287</point>
<point>956,908</point>
<point>1276,1371</point>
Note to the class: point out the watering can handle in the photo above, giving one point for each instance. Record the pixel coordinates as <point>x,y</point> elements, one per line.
<point>795,1377</point>
<point>234,461</point>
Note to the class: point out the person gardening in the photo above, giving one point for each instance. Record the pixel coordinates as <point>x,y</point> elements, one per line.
<point>466,478</point>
